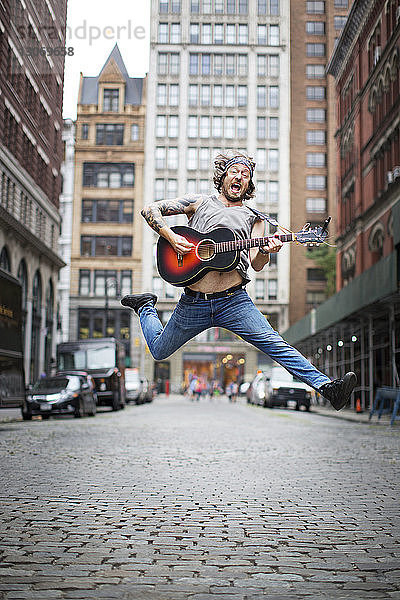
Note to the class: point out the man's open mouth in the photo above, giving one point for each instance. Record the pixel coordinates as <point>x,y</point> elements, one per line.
<point>236,187</point>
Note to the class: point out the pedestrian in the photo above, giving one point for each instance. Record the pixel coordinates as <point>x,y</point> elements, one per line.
<point>234,389</point>
<point>219,298</point>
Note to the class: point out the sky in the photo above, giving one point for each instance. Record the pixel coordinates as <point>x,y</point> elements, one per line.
<point>93,28</point>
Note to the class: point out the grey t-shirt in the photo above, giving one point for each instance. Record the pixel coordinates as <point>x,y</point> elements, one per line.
<point>212,213</point>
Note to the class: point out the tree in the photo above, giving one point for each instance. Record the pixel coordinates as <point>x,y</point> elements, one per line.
<point>325,257</point>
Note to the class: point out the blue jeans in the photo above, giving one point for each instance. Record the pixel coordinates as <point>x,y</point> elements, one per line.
<point>236,313</point>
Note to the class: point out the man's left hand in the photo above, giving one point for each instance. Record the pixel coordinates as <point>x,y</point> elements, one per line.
<point>274,245</point>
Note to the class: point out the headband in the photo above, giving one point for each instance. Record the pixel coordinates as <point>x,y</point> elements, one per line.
<point>241,160</point>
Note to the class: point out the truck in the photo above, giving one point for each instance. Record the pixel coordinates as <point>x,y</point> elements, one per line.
<point>104,360</point>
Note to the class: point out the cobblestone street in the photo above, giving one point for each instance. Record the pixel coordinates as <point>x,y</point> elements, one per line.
<point>179,500</point>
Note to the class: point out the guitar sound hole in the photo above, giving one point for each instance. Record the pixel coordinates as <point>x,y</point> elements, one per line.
<point>205,250</point>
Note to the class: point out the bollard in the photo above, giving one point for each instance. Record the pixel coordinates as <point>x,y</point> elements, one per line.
<point>167,387</point>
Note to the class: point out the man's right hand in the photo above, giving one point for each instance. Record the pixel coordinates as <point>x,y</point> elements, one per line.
<point>180,244</point>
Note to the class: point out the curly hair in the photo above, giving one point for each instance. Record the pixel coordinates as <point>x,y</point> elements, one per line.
<point>220,172</point>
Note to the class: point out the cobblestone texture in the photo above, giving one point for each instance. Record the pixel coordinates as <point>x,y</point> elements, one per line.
<point>198,501</point>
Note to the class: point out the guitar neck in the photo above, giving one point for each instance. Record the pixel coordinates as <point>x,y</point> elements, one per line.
<point>251,243</point>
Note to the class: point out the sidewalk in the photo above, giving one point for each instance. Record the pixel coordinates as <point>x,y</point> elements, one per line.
<point>347,414</point>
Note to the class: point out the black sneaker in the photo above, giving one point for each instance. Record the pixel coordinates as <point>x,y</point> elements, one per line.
<point>136,301</point>
<point>339,391</point>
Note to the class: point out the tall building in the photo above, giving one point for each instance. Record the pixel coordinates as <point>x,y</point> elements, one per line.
<point>65,239</point>
<point>315,26</point>
<point>106,255</point>
<point>358,329</point>
<point>32,46</point>
<point>218,80</point>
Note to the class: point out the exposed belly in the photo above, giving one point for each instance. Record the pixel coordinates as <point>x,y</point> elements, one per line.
<point>217,282</point>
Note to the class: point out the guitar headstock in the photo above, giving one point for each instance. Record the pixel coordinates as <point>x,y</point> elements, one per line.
<point>315,236</point>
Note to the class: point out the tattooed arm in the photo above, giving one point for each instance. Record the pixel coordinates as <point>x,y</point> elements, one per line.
<point>154,213</point>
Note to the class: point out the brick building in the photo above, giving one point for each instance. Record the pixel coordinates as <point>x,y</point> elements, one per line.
<point>314,28</point>
<point>359,327</point>
<point>32,41</point>
<point>106,253</point>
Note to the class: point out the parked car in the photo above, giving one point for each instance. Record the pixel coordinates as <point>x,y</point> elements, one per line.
<point>138,388</point>
<point>67,393</point>
<point>280,388</point>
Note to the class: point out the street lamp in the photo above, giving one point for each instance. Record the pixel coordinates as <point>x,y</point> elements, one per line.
<point>109,283</point>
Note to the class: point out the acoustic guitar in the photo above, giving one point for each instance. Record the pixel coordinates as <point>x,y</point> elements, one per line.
<point>219,250</point>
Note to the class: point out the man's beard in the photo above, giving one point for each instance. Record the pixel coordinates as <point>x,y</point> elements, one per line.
<point>225,191</point>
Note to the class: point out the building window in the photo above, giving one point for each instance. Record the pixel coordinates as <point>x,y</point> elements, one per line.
<point>315,298</point>
<point>191,159</point>
<point>162,63</point>
<point>126,282</point>
<point>111,100</point>
<point>206,64</point>
<point>175,36</point>
<point>260,289</point>
<point>163,33</point>
<point>273,96</point>
<point>161,94</point>
<point>316,205</point>
<point>242,95</point>
<point>160,157</point>
<point>261,158</point>
<point>316,182</point>
<point>107,211</point>
<point>341,3</point>
<point>193,95</point>
<point>315,50</point>
<point>163,6</point>
<point>273,192</point>
<point>217,95</point>
<point>243,34</point>
<point>108,175</point>
<point>272,289</point>
<point>194,33</point>
<point>109,135</point>
<point>230,96</point>
<point>261,192</point>
<point>218,33</point>
<point>316,275</point>
<point>5,262</point>
<point>273,128</point>
<point>172,158</point>
<point>316,115</point>
<point>262,35</point>
<point>96,245</point>
<point>205,95</point>
<point>316,159</point>
<point>174,94</point>
<point>217,127</point>
<point>315,71</point>
<point>161,126</point>
<point>261,65</point>
<point>192,127</point>
<point>195,6</point>
<point>261,96</point>
<point>316,137</point>
<point>206,37</point>
<point>339,22</point>
<point>173,126</point>
<point>134,132</point>
<point>204,131</point>
<point>174,63</point>
<point>274,35</point>
<point>84,131</point>
<point>273,65</point>
<point>204,158</point>
<point>273,159</point>
<point>218,64</point>
<point>159,191</point>
<point>242,65</point>
<point>243,7</point>
<point>242,127</point>
<point>193,64</point>
<point>172,188</point>
<point>315,92</point>
<point>315,27</point>
<point>315,7</point>
<point>84,282</point>
<point>261,128</point>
